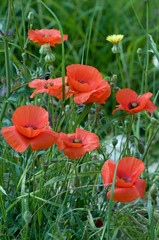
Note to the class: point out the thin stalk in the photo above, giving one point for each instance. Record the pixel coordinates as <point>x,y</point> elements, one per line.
<point>23,21</point>
<point>63,49</point>
<point>7,62</point>
<point>53,114</point>
<point>4,214</point>
<point>33,166</point>
<point>57,219</point>
<point>121,71</point>
<point>16,26</point>
<point>108,219</point>
<point>147,45</point>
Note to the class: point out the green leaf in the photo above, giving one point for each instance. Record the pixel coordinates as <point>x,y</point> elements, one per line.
<point>2,190</point>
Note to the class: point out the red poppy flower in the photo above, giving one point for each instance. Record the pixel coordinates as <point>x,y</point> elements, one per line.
<point>43,36</point>
<point>77,144</point>
<point>87,84</point>
<point>128,185</point>
<point>50,86</point>
<point>31,126</point>
<point>130,102</point>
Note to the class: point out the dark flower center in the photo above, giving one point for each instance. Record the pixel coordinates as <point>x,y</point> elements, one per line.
<point>76,140</point>
<point>133,105</point>
<point>48,85</point>
<point>30,126</point>
<point>125,179</point>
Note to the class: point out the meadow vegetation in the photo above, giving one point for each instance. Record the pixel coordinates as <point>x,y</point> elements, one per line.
<point>82,161</point>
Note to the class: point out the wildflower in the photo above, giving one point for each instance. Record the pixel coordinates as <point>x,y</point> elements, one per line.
<point>43,36</point>
<point>77,144</point>
<point>31,126</point>
<point>87,84</point>
<point>50,86</point>
<point>115,39</point>
<point>130,102</point>
<point>128,185</point>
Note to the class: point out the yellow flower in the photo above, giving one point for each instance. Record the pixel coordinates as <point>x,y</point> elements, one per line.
<point>115,39</point>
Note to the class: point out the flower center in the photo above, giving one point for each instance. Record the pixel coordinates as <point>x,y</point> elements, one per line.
<point>125,179</point>
<point>30,126</point>
<point>48,85</point>
<point>76,140</point>
<point>133,105</point>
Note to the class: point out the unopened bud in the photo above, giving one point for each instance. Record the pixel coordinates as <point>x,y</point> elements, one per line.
<point>50,58</point>
<point>42,50</point>
<point>30,16</point>
<point>114,142</point>
<point>141,147</point>
<point>153,191</point>
<point>116,49</point>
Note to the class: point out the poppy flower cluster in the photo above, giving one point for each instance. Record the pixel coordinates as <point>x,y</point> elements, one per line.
<point>51,86</point>
<point>77,144</point>
<point>31,127</point>
<point>42,36</point>
<point>128,186</point>
<point>130,102</point>
<point>87,84</point>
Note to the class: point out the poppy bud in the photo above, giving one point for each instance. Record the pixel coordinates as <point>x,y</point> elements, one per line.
<point>30,16</point>
<point>50,58</point>
<point>27,217</point>
<point>140,147</point>
<point>114,142</point>
<point>153,191</point>
<point>42,50</point>
<point>116,49</point>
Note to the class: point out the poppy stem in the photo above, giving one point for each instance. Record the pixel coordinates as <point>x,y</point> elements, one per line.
<point>147,45</point>
<point>63,49</point>
<point>7,62</point>
<point>108,220</point>
<point>121,71</point>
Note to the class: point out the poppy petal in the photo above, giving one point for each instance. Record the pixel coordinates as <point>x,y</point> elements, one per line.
<point>74,153</point>
<point>124,194</point>
<point>30,116</point>
<point>44,140</point>
<point>140,185</point>
<point>130,168</point>
<point>145,97</point>
<point>108,172</point>
<point>82,97</point>
<point>17,141</point>
<point>150,106</point>
<point>125,96</point>
<point>90,141</point>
